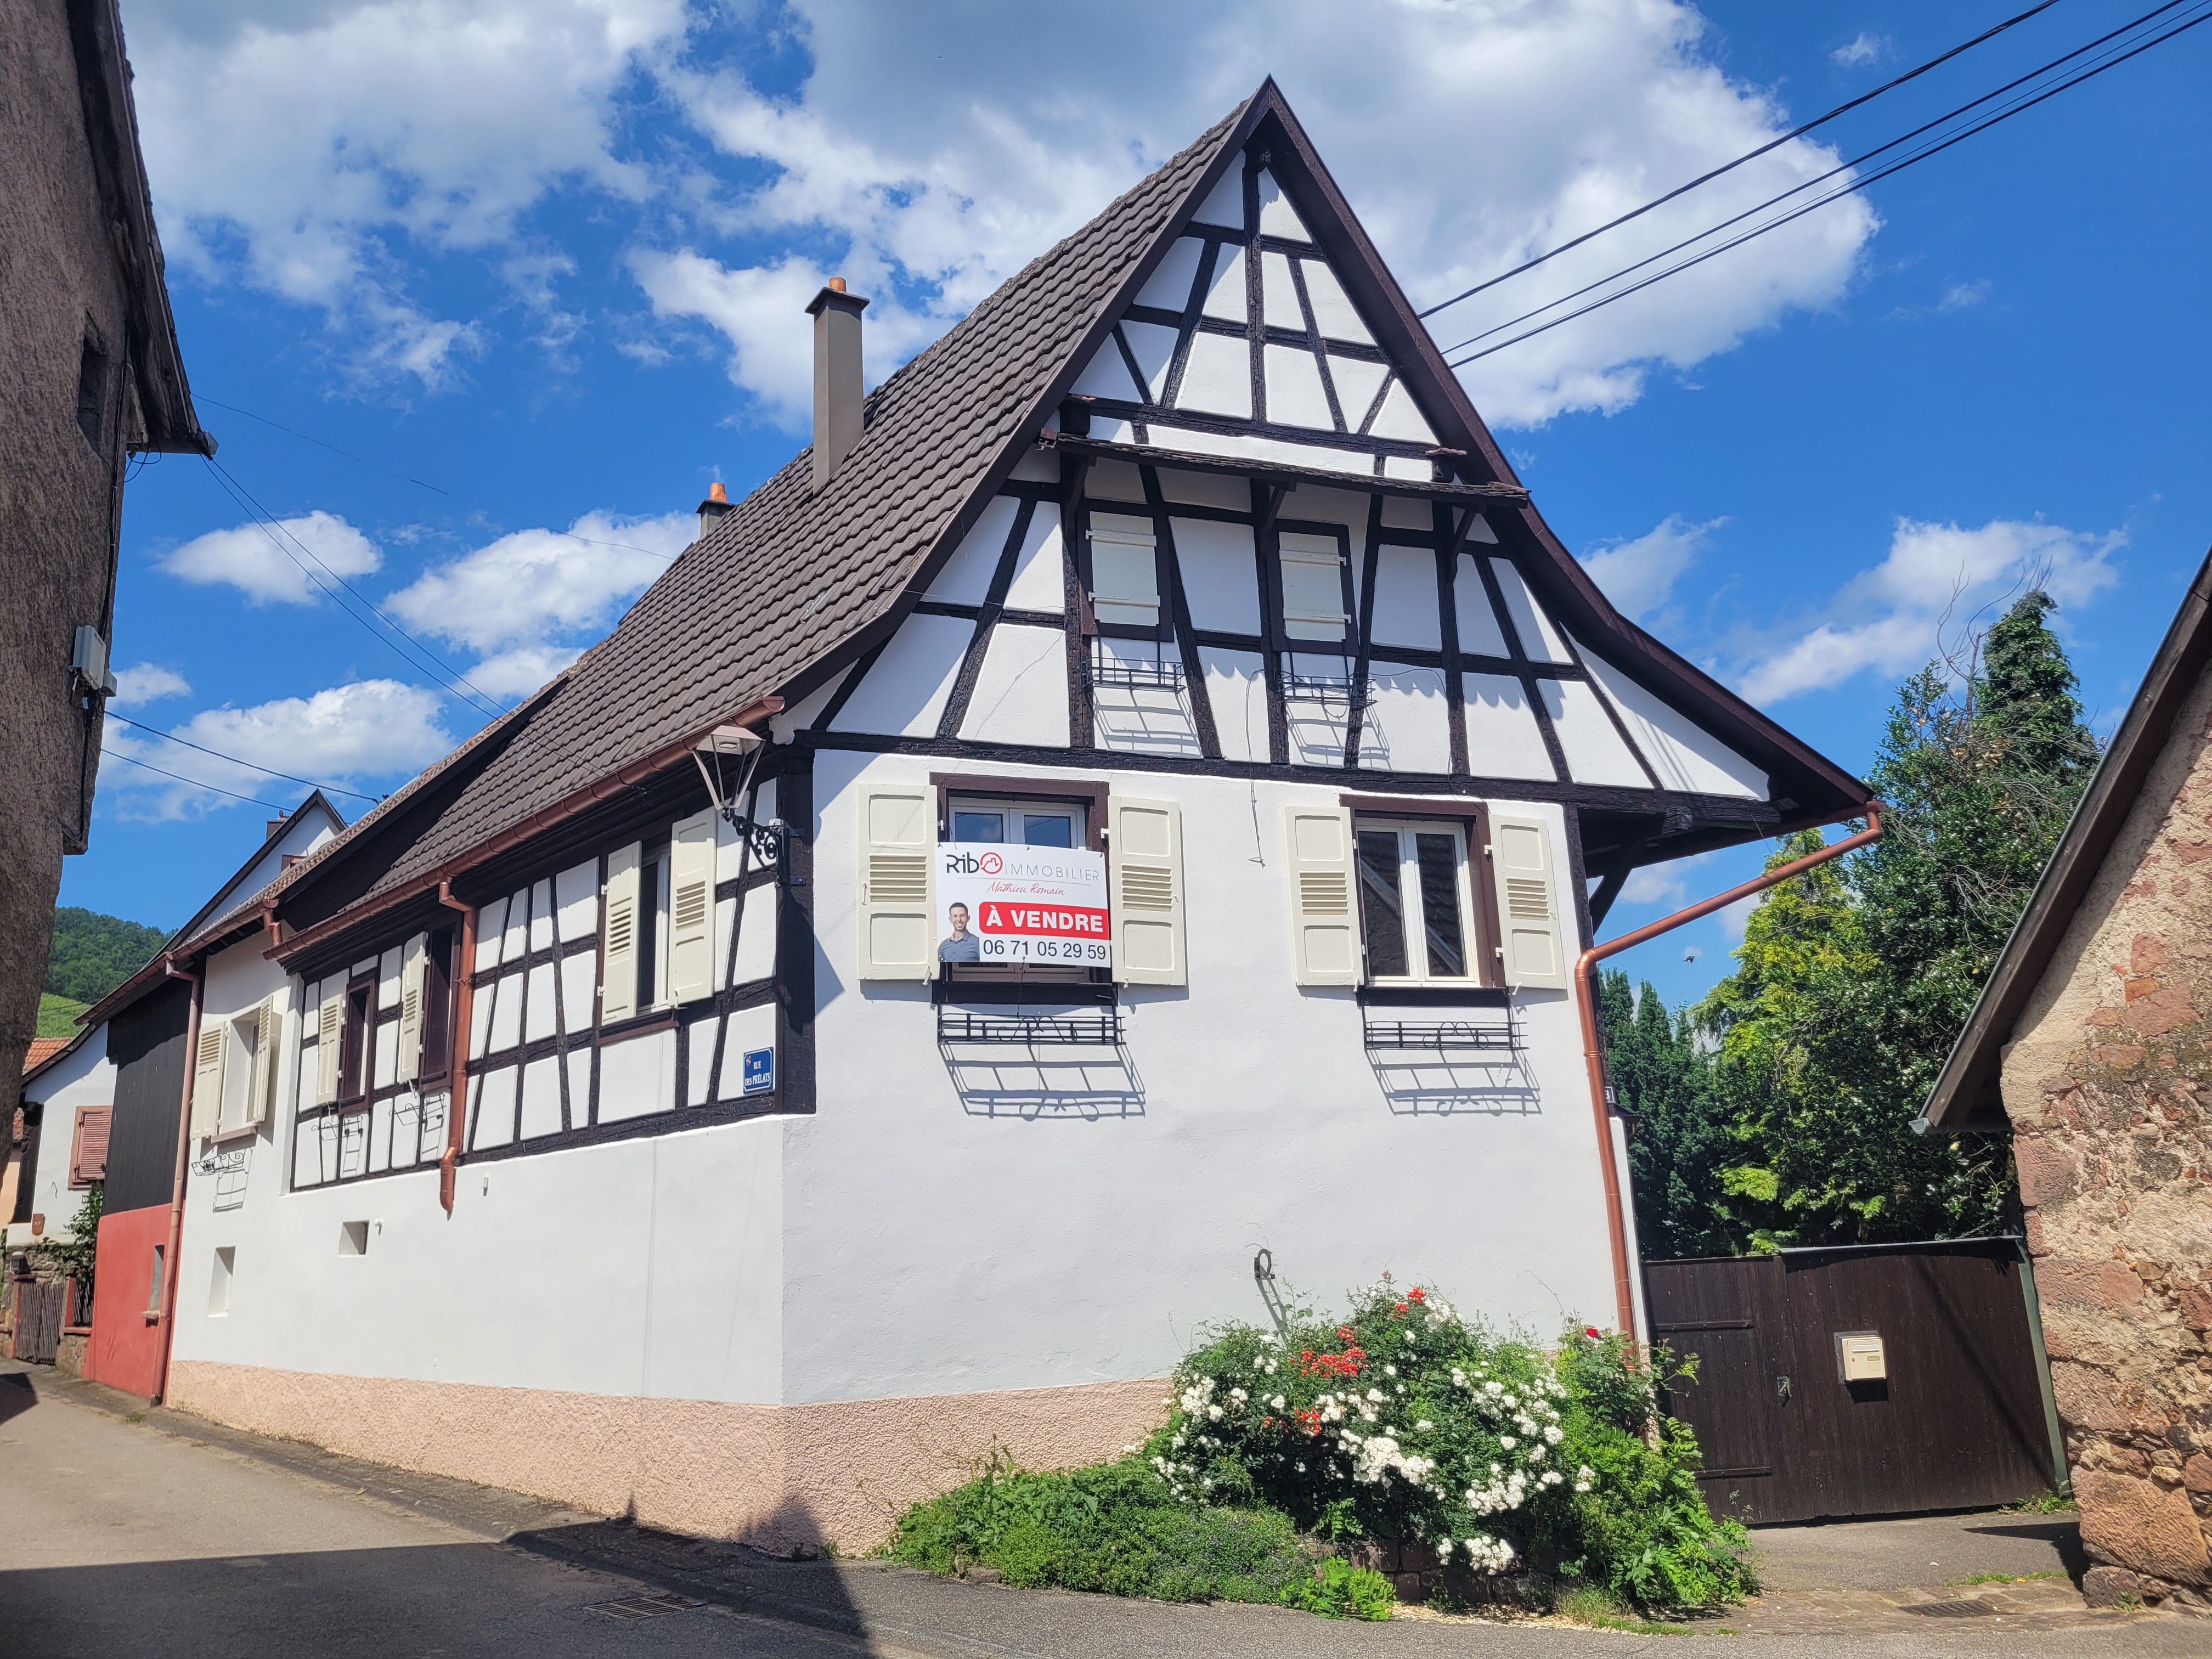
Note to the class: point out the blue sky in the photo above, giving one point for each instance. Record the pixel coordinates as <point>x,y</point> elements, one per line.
<point>523,276</point>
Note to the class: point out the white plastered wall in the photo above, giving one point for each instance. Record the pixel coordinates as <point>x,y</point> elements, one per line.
<point>86,1078</point>
<point>947,1238</point>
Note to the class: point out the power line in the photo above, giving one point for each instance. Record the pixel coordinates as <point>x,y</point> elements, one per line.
<point>1748,156</point>
<point>376,466</point>
<point>1854,186</point>
<point>118,755</point>
<point>254,766</point>
<point>425,660</point>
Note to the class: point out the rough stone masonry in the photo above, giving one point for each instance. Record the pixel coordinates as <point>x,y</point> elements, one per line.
<point>2105,1088</point>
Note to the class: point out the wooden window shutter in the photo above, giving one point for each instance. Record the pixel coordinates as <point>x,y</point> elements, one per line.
<point>1313,587</point>
<point>207,1076</point>
<point>1125,581</point>
<point>1145,843</point>
<point>618,949</point>
<point>268,1029</point>
<point>691,909</point>
<point>1527,903</point>
<point>88,1156</point>
<point>411,957</point>
<point>898,882</point>
<point>330,1038</point>
<point>1324,925</point>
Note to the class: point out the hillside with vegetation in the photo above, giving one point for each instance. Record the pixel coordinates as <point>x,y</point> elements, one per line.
<point>92,954</point>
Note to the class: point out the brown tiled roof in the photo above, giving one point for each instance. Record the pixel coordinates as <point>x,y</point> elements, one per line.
<point>791,574</point>
<point>41,1051</point>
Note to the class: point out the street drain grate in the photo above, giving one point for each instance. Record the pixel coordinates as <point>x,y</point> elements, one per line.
<point>643,1606</point>
<point>1963,1609</point>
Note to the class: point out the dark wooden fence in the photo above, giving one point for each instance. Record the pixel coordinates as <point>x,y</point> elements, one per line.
<point>40,1312</point>
<point>1960,1422</point>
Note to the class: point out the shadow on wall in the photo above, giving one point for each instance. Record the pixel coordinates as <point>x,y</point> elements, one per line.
<point>1029,1077</point>
<point>1455,1085</point>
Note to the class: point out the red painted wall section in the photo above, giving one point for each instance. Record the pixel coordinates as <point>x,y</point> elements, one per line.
<point>126,1350</point>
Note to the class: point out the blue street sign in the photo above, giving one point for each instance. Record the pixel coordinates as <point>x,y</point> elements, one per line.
<point>760,1071</point>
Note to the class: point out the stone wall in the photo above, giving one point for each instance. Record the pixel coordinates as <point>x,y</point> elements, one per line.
<point>2106,1086</point>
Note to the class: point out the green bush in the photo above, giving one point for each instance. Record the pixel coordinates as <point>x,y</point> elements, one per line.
<point>1402,1421</point>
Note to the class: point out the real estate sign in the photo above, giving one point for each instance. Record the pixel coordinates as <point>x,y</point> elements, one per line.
<point>1022,906</point>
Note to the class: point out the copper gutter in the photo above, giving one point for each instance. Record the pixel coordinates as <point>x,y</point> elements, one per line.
<point>169,1265</point>
<point>1593,1050</point>
<point>457,1044</point>
<point>568,807</point>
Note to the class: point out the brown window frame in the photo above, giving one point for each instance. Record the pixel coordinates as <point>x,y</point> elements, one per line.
<point>1472,818</point>
<point>357,1041</point>
<point>1093,797</point>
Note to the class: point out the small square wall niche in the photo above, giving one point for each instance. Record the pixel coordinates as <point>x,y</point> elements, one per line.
<point>352,1238</point>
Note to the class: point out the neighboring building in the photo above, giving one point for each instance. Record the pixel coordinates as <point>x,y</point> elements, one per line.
<point>2090,1044</point>
<point>1181,566</point>
<point>69,1093</point>
<point>90,375</point>
<point>146,1025</point>
<point>23,1137</point>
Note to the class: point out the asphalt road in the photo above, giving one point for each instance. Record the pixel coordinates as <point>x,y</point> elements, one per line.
<point>163,1537</point>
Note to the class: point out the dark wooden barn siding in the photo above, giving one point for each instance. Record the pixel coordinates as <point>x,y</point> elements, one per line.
<point>146,1042</point>
<point>1959,1423</point>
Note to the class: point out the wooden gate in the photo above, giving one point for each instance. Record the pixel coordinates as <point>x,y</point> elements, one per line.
<point>40,1310</point>
<point>1958,1422</point>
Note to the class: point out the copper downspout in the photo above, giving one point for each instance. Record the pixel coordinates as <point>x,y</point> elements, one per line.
<point>1594,1052</point>
<point>457,1044</point>
<point>169,1268</point>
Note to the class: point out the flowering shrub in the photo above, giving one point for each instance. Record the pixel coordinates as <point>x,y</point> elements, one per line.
<point>1405,1421</point>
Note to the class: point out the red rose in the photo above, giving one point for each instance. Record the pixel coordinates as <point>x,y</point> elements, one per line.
<point>1590,1331</point>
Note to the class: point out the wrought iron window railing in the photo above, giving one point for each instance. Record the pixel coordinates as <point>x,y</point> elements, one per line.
<point>1134,674</point>
<point>1098,1028</point>
<point>1486,1031</point>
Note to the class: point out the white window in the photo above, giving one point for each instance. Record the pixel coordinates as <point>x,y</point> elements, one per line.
<point>1416,902</point>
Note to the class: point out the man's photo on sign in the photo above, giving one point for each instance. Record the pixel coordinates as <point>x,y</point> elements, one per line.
<point>960,946</point>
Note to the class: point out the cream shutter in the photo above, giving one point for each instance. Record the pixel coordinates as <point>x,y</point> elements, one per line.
<point>1145,843</point>
<point>1125,582</point>
<point>898,884</point>
<point>207,1076</point>
<point>1324,926</point>
<point>1313,587</point>
<point>411,957</point>
<point>268,1032</point>
<point>691,909</point>
<point>618,949</point>
<point>1528,902</point>
<point>329,1037</point>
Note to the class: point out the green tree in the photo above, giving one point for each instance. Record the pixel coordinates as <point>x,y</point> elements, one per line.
<point>1663,1081</point>
<point>92,954</point>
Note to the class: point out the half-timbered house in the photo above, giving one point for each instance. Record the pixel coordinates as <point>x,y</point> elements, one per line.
<point>643,1136</point>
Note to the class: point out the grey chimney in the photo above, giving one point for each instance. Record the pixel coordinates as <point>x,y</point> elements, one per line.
<point>836,377</point>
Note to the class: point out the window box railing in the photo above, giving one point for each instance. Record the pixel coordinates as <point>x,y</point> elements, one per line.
<point>1134,674</point>
<point>1490,1032</point>
<point>1099,1028</point>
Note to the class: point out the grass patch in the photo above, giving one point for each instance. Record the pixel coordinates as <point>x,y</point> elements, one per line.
<point>2053,1502</point>
<point>1594,1607</point>
<point>57,1015</point>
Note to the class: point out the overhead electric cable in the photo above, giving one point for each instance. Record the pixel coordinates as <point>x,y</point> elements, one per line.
<point>426,659</point>
<point>2112,62</point>
<point>1730,167</point>
<point>375,466</point>
<point>255,766</point>
<point>256,799</point>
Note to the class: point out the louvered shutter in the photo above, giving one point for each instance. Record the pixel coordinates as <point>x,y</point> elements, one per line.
<point>691,909</point>
<point>1324,927</point>
<point>88,1156</point>
<point>1313,587</point>
<point>618,950</point>
<point>207,1076</point>
<point>1528,902</point>
<point>329,1037</point>
<point>1125,581</point>
<point>268,1030</point>
<point>1146,844</point>
<point>412,958</point>
<point>898,849</point>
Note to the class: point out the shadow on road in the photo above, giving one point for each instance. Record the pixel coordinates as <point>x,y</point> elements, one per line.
<point>2064,1536</point>
<point>17,1394</point>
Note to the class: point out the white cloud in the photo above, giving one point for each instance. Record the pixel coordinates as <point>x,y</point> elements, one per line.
<point>928,154</point>
<point>1639,575</point>
<point>311,150</point>
<point>528,603</point>
<point>1860,51</point>
<point>354,734</point>
<point>1963,296</point>
<point>147,682</point>
<point>1933,590</point>
<point>1735,918</point>
<point>272,566</point>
